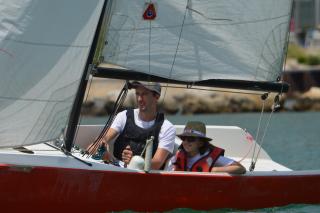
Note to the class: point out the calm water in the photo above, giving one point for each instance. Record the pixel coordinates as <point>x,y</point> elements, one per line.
<point>292,139</point>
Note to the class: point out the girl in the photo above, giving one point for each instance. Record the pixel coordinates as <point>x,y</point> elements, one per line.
<point>197,154</point>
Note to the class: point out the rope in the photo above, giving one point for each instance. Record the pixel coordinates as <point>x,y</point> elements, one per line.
<point>119,102</point>
<point>257,136</point>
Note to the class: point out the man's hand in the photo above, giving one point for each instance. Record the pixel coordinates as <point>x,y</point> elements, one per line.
<point>108,157</point>
<point>110,135</point>
<point>127,155</point>
<point>93,148</point>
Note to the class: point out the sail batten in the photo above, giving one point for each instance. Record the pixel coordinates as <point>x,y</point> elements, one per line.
<point>200,40</point>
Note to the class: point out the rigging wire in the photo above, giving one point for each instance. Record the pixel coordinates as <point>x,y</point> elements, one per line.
<point>149,47</point>
<point>85,99</point>
<point>263,97</point>
<point>275,106</point>
<point>176,52</point>
<point>284,59</point>
<point>119,102</point>
<point>67,153</point>
<point>277,98</point>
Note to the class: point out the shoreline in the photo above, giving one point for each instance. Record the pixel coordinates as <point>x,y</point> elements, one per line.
<point>103,93</point>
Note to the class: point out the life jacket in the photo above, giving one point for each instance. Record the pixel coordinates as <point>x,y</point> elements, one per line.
<point>136,137</point>
<point>204,164</point>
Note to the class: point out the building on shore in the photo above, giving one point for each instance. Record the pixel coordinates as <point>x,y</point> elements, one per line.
<point>305,24</point>
<point>306,14</point>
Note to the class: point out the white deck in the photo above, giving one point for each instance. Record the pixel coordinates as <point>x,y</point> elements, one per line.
<point>233,139</point>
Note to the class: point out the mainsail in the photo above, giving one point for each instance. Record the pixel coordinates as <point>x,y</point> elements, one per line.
<point>44,47</point>
<point>193,40</point>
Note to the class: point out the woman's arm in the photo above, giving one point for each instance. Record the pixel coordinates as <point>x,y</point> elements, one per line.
<point>233,168</point>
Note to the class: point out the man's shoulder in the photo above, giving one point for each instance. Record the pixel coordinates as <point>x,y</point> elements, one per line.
<point>125,111</point>
<point>167,123</point>
<point>167,127</point>
<point>122,113</point>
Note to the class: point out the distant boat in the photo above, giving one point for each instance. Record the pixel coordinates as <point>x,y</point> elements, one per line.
<point>49,48</point>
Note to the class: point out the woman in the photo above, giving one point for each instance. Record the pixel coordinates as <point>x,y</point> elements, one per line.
<point>197,154</point>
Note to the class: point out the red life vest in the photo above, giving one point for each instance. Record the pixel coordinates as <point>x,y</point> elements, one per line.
<point>204,164</point>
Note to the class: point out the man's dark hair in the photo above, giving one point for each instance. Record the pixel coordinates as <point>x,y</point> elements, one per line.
<point>155,94</point>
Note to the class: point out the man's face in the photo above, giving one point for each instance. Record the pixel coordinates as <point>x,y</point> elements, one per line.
<point>145,99</point>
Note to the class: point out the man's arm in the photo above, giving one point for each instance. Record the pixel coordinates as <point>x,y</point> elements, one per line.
<point>109,136</point>
<point>159,158</point>
<point>166,144</point>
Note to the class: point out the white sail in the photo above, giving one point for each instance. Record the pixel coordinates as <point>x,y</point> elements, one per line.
<point>194,40</point>
<point>44,46</point>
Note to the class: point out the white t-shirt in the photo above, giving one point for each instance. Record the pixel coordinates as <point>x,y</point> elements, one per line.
<point>221,161</point>
<point>167,132</point>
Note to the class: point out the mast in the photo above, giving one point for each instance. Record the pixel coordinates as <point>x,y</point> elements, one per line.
<point>76,108</point>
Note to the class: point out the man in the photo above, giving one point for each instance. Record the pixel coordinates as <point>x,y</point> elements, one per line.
<point>131,128</point>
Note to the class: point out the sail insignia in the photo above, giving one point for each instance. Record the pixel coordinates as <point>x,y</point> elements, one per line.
<point>150,12</point>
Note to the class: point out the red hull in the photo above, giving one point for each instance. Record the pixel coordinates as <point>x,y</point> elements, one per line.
<point>42,189</point>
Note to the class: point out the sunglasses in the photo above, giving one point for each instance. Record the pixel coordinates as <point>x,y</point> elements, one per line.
<point>189,139</point>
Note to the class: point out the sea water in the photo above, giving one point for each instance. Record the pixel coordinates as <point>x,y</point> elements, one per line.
<point>292,139</point>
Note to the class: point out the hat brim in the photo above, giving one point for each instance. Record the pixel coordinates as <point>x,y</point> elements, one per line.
<point>189,134</point>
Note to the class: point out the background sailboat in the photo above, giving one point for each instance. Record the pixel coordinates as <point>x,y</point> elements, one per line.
<point>47,50</point>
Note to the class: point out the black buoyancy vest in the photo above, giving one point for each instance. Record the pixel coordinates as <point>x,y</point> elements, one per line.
<point>136,136</point>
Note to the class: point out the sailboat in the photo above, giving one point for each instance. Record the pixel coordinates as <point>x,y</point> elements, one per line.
<point>49,50</point>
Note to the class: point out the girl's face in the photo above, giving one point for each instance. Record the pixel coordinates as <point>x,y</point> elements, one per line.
<point>191,145</point>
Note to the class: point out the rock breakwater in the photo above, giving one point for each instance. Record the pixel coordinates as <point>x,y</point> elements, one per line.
<point>103,94</point>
